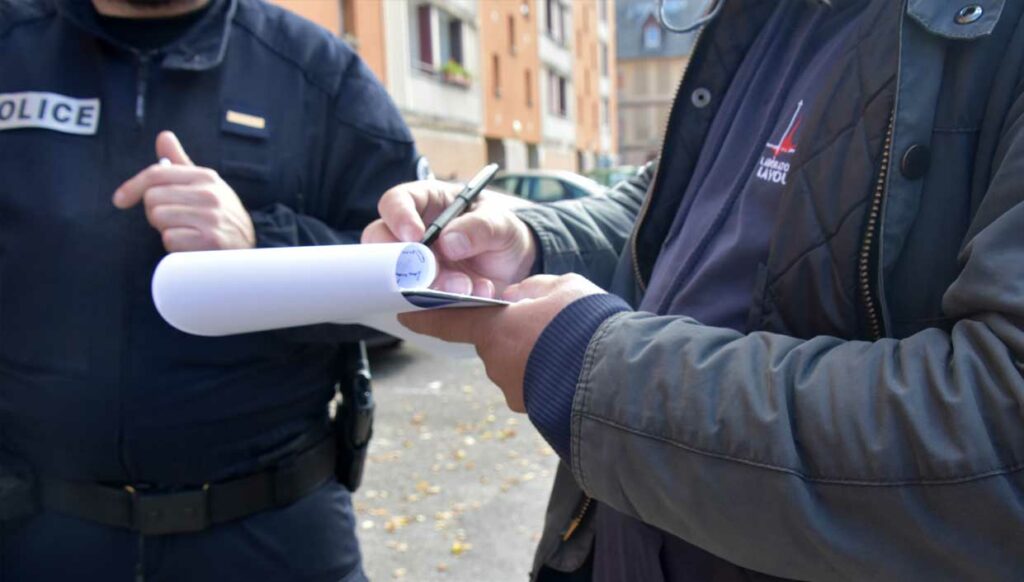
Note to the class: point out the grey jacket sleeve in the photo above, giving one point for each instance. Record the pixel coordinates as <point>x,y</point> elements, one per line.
<point>587,236</point>
<point>827,459</point>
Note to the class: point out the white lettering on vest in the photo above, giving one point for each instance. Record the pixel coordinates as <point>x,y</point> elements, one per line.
<point>41,110</point>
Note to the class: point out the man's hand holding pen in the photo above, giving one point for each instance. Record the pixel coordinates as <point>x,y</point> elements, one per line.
<point>489,252</point>
<point>480,253</point>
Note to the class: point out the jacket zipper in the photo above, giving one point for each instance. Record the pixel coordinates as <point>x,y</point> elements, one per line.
<point>142,68</point>
<point>871,306</point>
<point>576,521</point>
<point>587,500</point>
<point>140,88</point>
<point>657,170</point>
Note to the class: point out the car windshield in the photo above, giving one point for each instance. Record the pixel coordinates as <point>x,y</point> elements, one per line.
<point>547,190</point>
<point>505,184</point>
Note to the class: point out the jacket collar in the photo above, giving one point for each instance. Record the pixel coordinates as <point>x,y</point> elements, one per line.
<point>199,49</point>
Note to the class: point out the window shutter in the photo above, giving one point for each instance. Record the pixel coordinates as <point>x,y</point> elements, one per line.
<point>426,40</point>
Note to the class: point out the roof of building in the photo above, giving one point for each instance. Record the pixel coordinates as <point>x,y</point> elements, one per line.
<point>631,16</point>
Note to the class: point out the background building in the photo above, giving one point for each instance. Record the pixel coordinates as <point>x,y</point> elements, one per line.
<point>651,62</point>
<point>558,149</point>
<point>524,83</point>
<point>595,102</point>
<point>511,65</point>
<point>433,74</point>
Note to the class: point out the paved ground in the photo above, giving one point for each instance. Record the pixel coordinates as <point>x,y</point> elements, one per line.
<point>456,485</point>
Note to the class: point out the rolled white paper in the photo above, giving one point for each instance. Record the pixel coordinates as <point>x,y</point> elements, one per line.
<point>216,293</point>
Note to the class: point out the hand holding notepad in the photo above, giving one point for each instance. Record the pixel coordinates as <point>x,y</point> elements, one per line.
<point>229,292</point>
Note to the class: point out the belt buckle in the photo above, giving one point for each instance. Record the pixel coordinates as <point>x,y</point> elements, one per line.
<point>157,514</point>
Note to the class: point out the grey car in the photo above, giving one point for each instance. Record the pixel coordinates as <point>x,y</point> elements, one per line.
<point>546,185</point>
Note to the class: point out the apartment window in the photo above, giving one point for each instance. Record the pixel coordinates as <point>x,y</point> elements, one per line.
<point>451,38</point>
<point>438,39</point>
<point>511,35</point>
<point>528,84</point>
<point>348,13</point>
<point>605,113</point>
<point>563,100</point>
<point>604,59</point>
<point>496,78</point>
<point>555,13</point>
<point>549,16</point>
<point>652,35</point>
<point>602,10</point>
<point>557,98</point>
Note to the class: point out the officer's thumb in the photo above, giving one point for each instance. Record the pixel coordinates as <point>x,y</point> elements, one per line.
<point>168,146</point>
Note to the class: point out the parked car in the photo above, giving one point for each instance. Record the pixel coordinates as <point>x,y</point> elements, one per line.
<point>546,185</point>
<point>611,176</point>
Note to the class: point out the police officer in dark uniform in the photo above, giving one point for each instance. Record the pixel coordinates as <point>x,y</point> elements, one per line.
<point>148,454</point>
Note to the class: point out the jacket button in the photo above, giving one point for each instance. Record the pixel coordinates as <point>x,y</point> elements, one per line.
<point>700,98</point>
<point>969,14</point>
<point>915,161</point>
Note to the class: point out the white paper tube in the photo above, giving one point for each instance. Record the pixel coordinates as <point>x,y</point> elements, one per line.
<point>218,293</point>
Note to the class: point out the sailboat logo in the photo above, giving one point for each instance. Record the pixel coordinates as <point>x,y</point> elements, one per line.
<point>771,168</point>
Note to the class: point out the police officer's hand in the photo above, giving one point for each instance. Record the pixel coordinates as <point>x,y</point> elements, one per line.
<point>192,207</point>
<point>505,336</point>
<point>481,252</point>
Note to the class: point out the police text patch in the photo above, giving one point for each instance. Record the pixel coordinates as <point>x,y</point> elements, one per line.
<point>37,109</point>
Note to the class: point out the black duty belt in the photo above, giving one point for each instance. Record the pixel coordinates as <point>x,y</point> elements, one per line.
<point>192,510</point>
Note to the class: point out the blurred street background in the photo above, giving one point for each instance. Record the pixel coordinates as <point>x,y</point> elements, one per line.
<point>578,86</point>
<point>456,485</point>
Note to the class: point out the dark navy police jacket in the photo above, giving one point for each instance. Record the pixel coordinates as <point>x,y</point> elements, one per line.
<point>94,385</point>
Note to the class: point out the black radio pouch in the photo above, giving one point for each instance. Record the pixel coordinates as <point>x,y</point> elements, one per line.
<point>353,415</point>
<point>17,489</point>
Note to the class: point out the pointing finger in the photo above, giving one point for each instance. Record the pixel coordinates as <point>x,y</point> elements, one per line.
<point>168,146</point>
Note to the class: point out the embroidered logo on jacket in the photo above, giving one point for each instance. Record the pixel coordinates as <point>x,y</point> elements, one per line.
<point>774,168</point>
<point>41,110</point>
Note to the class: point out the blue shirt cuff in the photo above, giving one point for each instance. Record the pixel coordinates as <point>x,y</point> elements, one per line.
<point>554,366</point>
